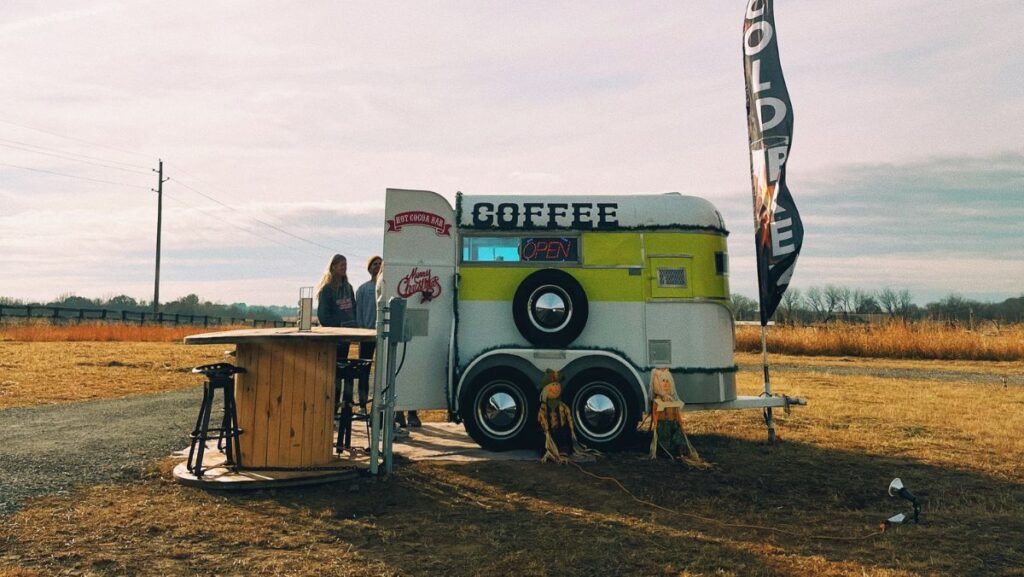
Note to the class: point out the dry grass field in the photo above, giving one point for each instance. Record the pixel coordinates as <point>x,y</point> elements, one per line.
<point>43,331</point>
<point>921,340</point>
<point>808,506</point>
<point>34,373</point>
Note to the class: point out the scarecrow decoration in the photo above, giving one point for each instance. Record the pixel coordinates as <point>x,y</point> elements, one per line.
<point>556,422</point>
<point>667,422</point>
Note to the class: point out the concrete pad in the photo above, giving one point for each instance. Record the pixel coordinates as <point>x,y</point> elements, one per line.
<point>449,442</point>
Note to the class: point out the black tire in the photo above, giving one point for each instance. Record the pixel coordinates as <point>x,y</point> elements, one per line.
<point>499,410</point>
<point>550,329</point>
<point>605,411</point>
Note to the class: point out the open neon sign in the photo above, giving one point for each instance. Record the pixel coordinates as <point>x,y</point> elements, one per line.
<point>549,250</point>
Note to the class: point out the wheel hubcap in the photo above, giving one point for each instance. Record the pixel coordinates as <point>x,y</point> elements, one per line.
<point>500,410</point>
<point>550,308</point>
<point>599,411</point>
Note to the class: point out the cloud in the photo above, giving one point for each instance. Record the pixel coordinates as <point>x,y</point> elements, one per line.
<point>302,118</point>
<point>940,225</point>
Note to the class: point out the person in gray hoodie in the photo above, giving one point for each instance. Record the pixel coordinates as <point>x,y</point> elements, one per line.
<point>337,306</point>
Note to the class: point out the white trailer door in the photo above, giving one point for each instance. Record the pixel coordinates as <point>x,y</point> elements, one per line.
<point>419,265</point>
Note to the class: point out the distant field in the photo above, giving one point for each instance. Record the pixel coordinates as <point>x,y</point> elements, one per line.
<point>54,371</point>
<point>922,340</point>
<point>45,331</point>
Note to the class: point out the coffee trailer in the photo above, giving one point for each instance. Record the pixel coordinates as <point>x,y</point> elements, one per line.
<point>601,288</point>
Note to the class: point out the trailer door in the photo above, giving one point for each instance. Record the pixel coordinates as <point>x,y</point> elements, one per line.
<point>419,265</point>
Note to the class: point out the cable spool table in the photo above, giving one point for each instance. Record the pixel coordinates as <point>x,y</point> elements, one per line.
<point>285,403</point>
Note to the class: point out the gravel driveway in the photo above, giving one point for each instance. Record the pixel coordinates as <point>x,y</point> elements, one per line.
<point>52,448</point>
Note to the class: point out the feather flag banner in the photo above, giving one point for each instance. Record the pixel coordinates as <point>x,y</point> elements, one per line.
<point>778,230</point>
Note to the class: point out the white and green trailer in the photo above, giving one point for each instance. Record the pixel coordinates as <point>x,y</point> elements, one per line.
<point>601,288</point>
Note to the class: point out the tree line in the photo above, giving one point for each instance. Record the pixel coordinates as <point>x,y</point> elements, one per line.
<point>830,303</point>
<point>187,305</point>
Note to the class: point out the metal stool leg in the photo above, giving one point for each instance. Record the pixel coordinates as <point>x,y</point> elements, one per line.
<point>202,437</point>
<point>233,450</point>
<point>344,428</point>
<point>196,430</point>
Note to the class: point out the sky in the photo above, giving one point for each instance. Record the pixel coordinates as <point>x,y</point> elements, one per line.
<point>280,127</point>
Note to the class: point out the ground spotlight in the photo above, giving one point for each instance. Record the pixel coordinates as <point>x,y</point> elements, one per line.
<point>896,488</point>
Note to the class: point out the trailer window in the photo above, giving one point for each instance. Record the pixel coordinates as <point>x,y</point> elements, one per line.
<point>672,277</point>
<point>490,249</point>
<point>721,263</point>
<point>520,249</point>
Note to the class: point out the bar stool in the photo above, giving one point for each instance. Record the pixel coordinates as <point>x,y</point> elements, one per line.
<point>350,371</point>
<point>218,376</point>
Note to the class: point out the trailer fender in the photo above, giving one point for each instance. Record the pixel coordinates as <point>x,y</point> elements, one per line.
<point>487,362</point>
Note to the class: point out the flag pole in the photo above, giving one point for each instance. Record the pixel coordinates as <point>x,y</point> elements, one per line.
<point>767,384</point>
<point>778,228</point>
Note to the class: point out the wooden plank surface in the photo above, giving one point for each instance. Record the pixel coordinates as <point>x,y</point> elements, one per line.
<point>284,439</point>
<point>245,398</point>
<point>262,404</point>
<point>277,417</point>
<point>305,430</point>
<point>324,419</point>
<point>284,334</point>
<point>298,388</point>
<point>286,403</point>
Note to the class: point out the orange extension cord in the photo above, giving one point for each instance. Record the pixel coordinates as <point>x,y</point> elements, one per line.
<point>716,521</point>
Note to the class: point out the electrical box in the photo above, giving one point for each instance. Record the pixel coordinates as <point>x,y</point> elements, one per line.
<point>397,330</point>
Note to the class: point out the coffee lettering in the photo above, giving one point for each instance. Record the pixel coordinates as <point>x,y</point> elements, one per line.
<point>483,214</point>
<point>508,215</point>
<point>581,210</point>
<point>553,215</point>
<point>529,212</point>
<point>606,215</point>
<point>556,210</point>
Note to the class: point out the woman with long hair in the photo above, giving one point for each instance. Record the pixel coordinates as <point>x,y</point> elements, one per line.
<point>337,306</point>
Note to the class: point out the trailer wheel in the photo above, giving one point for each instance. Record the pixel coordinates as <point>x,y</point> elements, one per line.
<point>604,410</point>
<point>550,308</point>
<point>499,408</point>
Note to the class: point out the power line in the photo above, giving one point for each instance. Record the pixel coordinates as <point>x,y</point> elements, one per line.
<point>264,223</point>
<point>77,139</point>
<point>228,222</point>
<point>74,176</point>
<point>277,228</point>
<point>61,156</point>
<point>78,154</point>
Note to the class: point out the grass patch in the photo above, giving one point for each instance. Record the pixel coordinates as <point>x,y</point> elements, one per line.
<point>956,443</point>
<point>922,340</point>
<point>45,331</point>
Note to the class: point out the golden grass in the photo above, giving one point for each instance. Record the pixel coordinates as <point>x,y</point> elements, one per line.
<point>34,373</point>
<point>924,340</point>
<point>48,332</point>
<point>955,441</point>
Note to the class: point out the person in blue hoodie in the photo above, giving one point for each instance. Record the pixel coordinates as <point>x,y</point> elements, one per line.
<point>366,317</point>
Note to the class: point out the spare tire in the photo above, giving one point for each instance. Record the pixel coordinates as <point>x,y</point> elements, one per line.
<point>550,308</point>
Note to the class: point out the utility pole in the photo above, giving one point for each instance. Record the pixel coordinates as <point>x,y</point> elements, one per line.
<point>159,190</point>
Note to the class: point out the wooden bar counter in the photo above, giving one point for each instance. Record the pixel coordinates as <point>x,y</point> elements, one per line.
<point>285,399</point>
